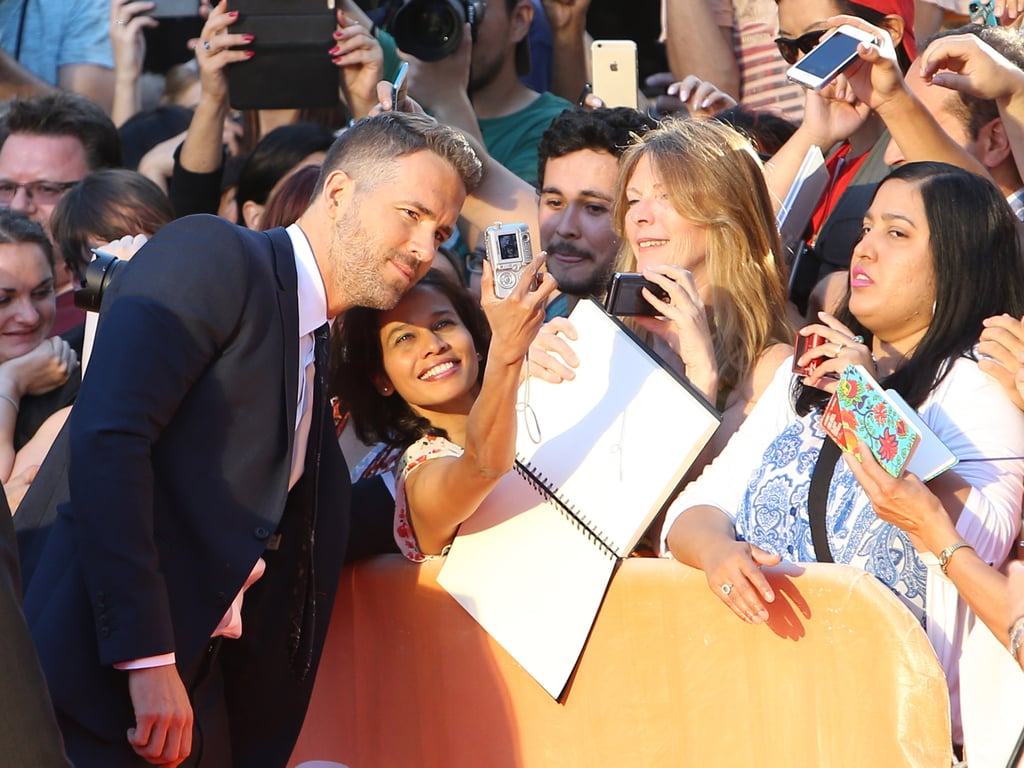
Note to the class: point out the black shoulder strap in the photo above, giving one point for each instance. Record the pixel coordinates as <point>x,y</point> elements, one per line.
<point>817,497</point>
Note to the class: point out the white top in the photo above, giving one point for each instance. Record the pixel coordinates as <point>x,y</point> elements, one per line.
<point>773,455</point>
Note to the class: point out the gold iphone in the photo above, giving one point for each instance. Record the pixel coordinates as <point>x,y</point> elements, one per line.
<point>613,72</point>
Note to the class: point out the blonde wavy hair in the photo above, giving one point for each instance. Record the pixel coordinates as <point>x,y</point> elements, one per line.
<point>714,179</point>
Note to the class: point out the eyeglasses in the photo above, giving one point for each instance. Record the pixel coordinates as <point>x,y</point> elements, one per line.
<point>983,13</point>
<point>45,192</point>
<point>791,48</point>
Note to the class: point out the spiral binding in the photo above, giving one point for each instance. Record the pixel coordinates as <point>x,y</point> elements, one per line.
<point>539,481</point>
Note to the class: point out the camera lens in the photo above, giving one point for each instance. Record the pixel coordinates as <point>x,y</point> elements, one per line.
<point>429,29</point>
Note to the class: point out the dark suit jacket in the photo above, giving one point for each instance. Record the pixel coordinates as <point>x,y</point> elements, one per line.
<point>180,451</point>
<point>28,730</point>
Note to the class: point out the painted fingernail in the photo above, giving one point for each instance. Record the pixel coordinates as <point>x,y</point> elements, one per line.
<point>249,54</point>
<point>233,15</point>
<point>335,50</point>
<point>248,38</point>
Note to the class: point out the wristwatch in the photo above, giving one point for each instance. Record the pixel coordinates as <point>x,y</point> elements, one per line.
<point>946,555</point>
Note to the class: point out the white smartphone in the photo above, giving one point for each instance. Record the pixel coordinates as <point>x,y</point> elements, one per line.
<point>830,57</point>
<point>613,72</point>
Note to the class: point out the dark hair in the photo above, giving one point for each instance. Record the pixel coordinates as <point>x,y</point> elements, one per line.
<point>356,360</point>
<point>978,273</point>
<point>608,130</point>
<point>287,202</point>
<point>66,114</point>
<point>767,131</point>
<point>871,16</point>
<point>364,150</point>
<point>17,228</point>
<point>107,205</point>
<point>275,155</point>
<point>975,113</point>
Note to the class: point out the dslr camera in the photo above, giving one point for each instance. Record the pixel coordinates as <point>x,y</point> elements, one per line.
<point>431,29</point>
<point>508,249</point>
<point>94,280</point>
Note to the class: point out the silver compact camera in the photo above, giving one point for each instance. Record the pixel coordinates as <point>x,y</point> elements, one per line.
<point>508,249</point>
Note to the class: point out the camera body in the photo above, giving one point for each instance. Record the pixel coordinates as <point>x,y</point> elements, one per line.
<point>625,297</point>
<point>431,29</point>
<point>98,275</point>
<point>508,250</point>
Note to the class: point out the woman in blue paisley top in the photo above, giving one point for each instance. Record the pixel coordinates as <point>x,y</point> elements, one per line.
<point>938,254</point>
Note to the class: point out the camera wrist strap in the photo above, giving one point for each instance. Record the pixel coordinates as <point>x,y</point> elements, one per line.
<point>817,498</point>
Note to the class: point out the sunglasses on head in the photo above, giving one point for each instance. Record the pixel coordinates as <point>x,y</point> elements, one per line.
<point>791,48</point>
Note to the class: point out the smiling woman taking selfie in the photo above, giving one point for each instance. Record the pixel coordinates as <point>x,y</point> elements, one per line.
<point>938,254</point>
<point>430,377</point>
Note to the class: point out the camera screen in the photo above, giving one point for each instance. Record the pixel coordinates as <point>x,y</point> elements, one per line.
<point>508,247</point>
<point>830,55</point>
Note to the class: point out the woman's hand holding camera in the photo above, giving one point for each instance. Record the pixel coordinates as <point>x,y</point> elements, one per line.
<point>683,326</point>
<point>516,319</point>
<point>838,348</point>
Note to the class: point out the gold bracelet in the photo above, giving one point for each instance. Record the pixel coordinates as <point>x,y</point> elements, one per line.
<point>1016,637</point>
<point>11,400</point>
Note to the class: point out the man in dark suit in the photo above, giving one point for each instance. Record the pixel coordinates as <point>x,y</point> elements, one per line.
<point>203,466</point>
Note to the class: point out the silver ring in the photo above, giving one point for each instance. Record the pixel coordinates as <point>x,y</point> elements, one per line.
<point>726,589</point>
<point>206,45</point>
<point>839,348</point>
<point>858,339</point>
<point>120,22</point>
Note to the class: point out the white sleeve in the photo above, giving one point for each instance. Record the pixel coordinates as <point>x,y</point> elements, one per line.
<point>724,480</point>
<point>972,415</point>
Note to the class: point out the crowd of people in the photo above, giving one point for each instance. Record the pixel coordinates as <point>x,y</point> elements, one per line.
<point>304,361</point>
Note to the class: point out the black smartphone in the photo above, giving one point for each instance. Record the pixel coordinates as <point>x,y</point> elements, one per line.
<point>625,297</point>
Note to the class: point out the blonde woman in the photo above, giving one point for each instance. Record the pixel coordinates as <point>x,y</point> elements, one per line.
<point>695,217</point>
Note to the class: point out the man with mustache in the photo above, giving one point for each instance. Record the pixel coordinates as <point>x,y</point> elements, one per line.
<point>578,163</point>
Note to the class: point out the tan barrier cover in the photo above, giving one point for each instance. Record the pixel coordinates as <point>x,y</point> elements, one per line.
<point>841,676</point>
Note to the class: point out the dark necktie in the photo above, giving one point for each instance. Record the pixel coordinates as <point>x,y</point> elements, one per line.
<point>304,608</point>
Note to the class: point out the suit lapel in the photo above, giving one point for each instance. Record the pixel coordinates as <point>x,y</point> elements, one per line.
<point>288,306</point>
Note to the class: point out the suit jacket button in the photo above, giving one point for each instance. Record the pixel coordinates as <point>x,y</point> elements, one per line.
<point>262,533</point>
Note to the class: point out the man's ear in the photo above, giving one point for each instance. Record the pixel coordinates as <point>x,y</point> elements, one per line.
<point>895,26</point>
<point>252,212</point>
<point>993,145</point>
<point>520,20</point>
<point>337,192</point>
<point>383,385</point>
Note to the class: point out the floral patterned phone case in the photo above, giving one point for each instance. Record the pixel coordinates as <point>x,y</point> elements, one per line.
<point>861,408</point>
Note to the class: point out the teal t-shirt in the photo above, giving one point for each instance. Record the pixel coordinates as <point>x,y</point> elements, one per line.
<point>512,140</point>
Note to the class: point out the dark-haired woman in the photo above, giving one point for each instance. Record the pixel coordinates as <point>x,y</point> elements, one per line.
<point>842,127</point>
<point>913,315</point>
<point>431,377</point>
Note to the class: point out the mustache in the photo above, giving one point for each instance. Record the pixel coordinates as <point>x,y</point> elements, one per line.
<point>563,246</point>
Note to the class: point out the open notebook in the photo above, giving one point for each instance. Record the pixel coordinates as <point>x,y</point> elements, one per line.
<point>533,562</point>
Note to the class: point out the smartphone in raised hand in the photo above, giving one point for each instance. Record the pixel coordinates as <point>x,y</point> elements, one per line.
<point>614,72</point>
<point>399,86</point>
<point>830,57</point>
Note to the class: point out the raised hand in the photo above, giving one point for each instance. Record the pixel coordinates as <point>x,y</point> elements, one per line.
<point>360,61</point>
